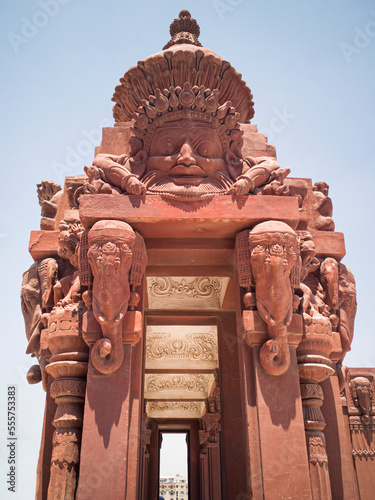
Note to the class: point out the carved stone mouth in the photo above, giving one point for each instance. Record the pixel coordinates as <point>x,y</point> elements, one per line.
<point>187,179</point>
<point>188,171</point>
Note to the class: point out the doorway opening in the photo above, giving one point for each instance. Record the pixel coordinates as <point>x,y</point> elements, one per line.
<point>173,465</point>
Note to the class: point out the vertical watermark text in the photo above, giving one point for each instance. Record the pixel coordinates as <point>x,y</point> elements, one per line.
<point>11,439</point>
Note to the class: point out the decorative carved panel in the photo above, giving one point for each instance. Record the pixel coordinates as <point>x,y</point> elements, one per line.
<point>181,292</point>
<point>175,409</point>
<point>183,386</point>
<point>181,347</point>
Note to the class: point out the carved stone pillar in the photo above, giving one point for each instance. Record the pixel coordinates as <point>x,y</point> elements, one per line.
<point>359,403</point>
<point>267,260</point>
<point>209,440</point>
<point>145,442</point>
<point>314,366</point>
<point>68,367</point>
<point>113,330</point>
<point>268,265</point>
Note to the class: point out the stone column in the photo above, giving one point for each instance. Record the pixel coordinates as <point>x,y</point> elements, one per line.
<point>145,453</point>
<point>68,367</point>
<point>209,439</point>
<point>267,259</point>
<point>360,409</point>
<point>314,366</point>
<point>113,330</point>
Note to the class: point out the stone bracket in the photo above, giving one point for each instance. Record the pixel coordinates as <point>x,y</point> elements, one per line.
<point>131,328</point>
<point>255,330</point>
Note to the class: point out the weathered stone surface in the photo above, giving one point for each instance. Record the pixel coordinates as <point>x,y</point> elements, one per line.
<point>221,217</point>
<point>186,283</point>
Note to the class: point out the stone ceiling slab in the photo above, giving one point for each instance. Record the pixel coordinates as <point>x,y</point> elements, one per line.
<point>186,292</point>
<point>180,347</point>
<point>182,386</point>
<point>175,409</point>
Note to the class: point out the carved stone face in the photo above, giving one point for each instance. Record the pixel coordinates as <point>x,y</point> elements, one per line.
<point>361,390</point>
<point>187,160</point>
<point>273,254</point>
<point>347,290</point>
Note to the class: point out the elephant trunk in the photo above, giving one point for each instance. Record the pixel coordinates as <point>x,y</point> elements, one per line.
<point>110,258</point>
<point>107,353</point>
<point>275,355</point>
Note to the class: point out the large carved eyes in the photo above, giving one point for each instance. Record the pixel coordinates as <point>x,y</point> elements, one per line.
<point>205,149</point>
<point>167,148</point>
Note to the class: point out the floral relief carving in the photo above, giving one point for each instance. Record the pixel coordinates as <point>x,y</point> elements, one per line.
<point>161,406</point>
<point>194,382</point>
<point>196,346</point>
<point>198,288</point>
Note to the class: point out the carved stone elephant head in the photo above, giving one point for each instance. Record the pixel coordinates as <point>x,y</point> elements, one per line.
<point>110,258</point>
<point>273,253</point>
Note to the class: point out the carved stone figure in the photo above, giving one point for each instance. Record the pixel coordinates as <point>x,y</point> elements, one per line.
<point>36,300</point>
<point>322,208</point>
<point>110,258</point>
<point>187,140</point>
<point>186,146</point>
<point>340,295</point>
<point>362,389</point>
<point>274,252</point>
<point>49,194</point>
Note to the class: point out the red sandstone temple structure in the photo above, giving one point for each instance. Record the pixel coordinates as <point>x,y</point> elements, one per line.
<point>187,283</point>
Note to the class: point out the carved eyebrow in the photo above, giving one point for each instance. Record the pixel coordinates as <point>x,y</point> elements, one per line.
<point>166,134</point>
<point>196,137</point>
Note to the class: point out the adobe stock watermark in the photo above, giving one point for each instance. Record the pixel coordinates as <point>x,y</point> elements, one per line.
<point>362,39</point>
<point>222,7</point>
<point>278,123</point>
<point>75,156</point>
<point>31,26</point>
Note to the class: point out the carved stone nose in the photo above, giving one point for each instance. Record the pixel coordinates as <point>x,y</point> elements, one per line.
<point>185,156</point>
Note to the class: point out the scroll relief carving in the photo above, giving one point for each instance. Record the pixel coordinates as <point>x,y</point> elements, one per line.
<point>192,383</point>
<point>202,287</point>
<point>182,408</point>
<point>201,292</point>
<point>199,346</point>
<point>173,405</point>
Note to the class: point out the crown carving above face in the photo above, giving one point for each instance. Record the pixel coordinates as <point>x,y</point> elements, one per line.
<point>194,103</point>
<point>182,61</point>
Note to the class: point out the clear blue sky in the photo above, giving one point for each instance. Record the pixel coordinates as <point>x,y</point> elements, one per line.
<point>312,61</point>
